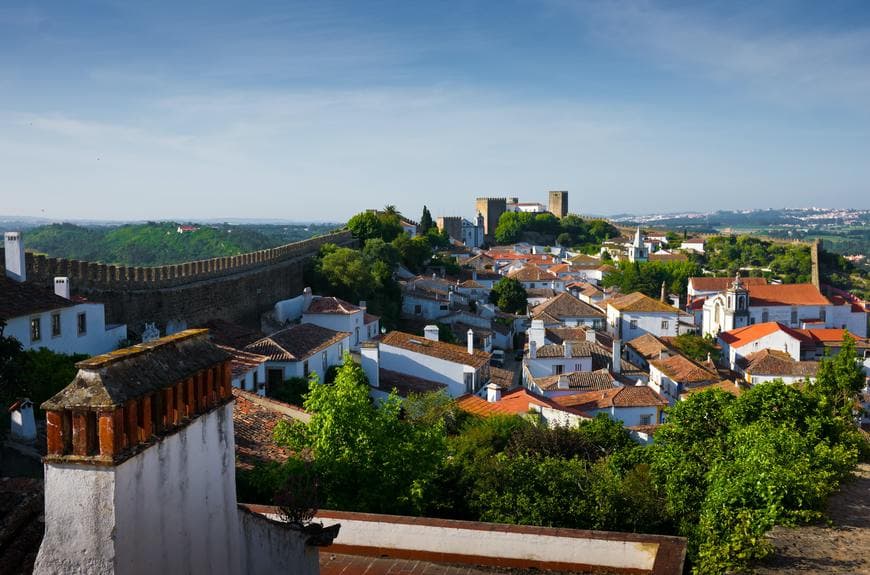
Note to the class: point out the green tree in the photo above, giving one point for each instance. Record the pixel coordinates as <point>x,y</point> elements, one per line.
<point>509,295</point>
<point>368,225</point>
<point>368,457</point>
<point>426,222</point>
<point>839,380</point>
<point>696,347</point>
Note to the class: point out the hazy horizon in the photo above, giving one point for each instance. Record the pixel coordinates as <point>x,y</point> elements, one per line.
<point>313,112</point>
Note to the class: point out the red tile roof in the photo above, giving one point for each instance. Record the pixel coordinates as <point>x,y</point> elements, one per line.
<point>565,305</point>
<point>531,273</point>
<point>786,294</point>
<point>778,363</point>
<point>242,361</point>
<point>744,335</point>
<point>640,302</point>
<point>578,380</point>
<point>648,346</point>
<point>721,284</point>
<point>296,343</point>
<point>683,370</point>
<point>405,384</point>
<point>624,396</point>
<point>438,349</point>
<point>332,305</point>
<point>254,421</point>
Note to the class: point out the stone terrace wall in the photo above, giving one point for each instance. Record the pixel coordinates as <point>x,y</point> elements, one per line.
<point>234,288</point>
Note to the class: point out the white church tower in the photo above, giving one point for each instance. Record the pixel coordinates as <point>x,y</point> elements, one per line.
<point>638,252</point>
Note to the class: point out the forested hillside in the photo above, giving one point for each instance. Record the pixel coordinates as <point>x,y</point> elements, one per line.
<point>160,243</point>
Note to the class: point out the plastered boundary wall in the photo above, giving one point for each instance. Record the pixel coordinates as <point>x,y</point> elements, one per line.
<point>499,545</point>
<point>85,275</point>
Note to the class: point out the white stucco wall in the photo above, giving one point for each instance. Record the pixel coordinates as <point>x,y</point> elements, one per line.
<point>246,381</point>
<point>340,322</point>
<point>95,341</point>
<point>778,340</point>
<point>432,368</point>
<point>542,367</point>
<point>334,356</point>
<point>429,309</point>
<point>175,503</point>
<point>79,521</point>
<point>629,416</point>
<point>273,548</point>
<point>843,316</point>
<point>619,323</point>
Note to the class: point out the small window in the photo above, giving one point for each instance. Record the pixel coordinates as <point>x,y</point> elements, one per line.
<point>765,316</point>
<point>558,369</point>
<point>632,324</point>
<point>665,324</point>
<point>256,380</point>
<point>55,325</point>
<point>823,314</point>
<point>305,369</point>
<point>469,382</point>
<point>82,323</point>
<point>794,315</point>
<point>325,362</point>
<point>35,329</point>
<point>645,419</point>
<point>418,309</point>
<point>341,348</point>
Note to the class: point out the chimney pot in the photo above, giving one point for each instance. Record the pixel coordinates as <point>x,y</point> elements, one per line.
<point>431,332</point>
<point>470,335</point>
<point>533,349</point>
<point>16,266</point>
<point>563,382</point>
<point>617,355</point>
<point>61,287</point>
<point>493,392</point>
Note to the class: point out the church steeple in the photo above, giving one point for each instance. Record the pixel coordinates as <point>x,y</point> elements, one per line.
<point>637,252</point>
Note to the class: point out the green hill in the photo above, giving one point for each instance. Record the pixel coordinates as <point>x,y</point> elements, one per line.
<point>160,243</point>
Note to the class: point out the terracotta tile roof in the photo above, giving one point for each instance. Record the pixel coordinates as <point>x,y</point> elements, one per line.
<point>579,380</point>
<point>827,335</point>
<point>22,523</point>
<point>332,305</point>
<point>370,318</point>
<point>503,378</point>
<point>657,257</point>
<point>243,361</point>
<point>578,349</point>
<point>623,396</point>
<point>438,349</point>
<point>778,363</point>
<point>532,273</point>
<point>745,335</point>
<point>296,343</point>
<point>648,346</point>
<point>640,302</point>
<point>722,284</point>
<point>563,306</point>
<point>734,388</point>
<point>254,420</point>
<point>406,384</point>
<point>230,334</point>
<point>559,334</point>
<point>540,292</point>
<point>786,294</point>
<point>478,406</point>
<point>683,370</point>
<point>24,298</point>
<point>580,259</point>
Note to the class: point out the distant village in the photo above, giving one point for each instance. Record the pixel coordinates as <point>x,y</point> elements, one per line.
<point>148,426</point>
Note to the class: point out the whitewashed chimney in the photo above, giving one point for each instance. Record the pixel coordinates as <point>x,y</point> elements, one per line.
<point>363,305</point>
<point>369,352</point>
<point>590,335</point>
<point>16,266</point>
<point>617,355</point>
<point>537,333</point>
<point>567,348</point>
<point>306,299</point>
<point>470,338</point>
<point>23,425</point>
<point>533,349</point>
<point>493,392</point>
<point>431,332</point>
<point>563,382</point>
<point>61,287</point>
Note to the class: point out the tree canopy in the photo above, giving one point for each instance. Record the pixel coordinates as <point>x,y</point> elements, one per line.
<point>572,230</point>
<point>509,295</point>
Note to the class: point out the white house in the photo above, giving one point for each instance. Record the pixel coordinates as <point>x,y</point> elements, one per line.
<point>533,277</point>
<point>770,364</point>
<point>693,244</point>
<point>338,315</point>
<point>301,350</point>
<point>793,305</point>
<point>635,314</point>
<point>631,405</point>
<point>458,369</point>
<point>676,374</point>
<point>248,370</point>
<point>430,298</point>
<point>565,310</point>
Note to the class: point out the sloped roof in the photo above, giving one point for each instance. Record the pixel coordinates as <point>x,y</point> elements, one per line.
<point>24,298</point>
<point>745,335</point>
<point>683,370</point>
<point>296,343</point>
<point>529,273</point>
<point>578,349</point>
<point>438,349</point>
<point>110,380</point>
<point>648,346</point>
<point>564,305</point>
<point>778,363</point>
<point>559,334</point>
<point>734,388</point>
<point>254,421</point>
<point>230,334</point>
<point>243,361</point>
<point>579,380</point>
<point>722,284</point>
<point>786,294</point>
<point>405,384</point>
<point>657,257</point>
<point>478,406</point>
<point>623,396</point>
<point>640,302</point>
<point>332,305</point>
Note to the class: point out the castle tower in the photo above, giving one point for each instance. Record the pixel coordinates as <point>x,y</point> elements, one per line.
<point>140,470</point>
<point>491,209</point>
<point>558,204</point>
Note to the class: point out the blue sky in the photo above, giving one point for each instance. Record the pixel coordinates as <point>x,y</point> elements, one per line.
<point>316,110</point>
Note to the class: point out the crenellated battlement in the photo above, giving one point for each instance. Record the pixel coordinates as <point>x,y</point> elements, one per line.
<point>85,275</point>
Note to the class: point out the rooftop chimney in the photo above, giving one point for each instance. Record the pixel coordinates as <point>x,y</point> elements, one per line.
<point>537,332</point>
<point>566,348</point>
<point>362,305</point>
<point>563,382</point>
<point>22,423</point>
<point>533,349</point>
<point>306,299</point>
<point>470,334</point>
<point>61,287</point>
<point>617,355</point>
<point>493,392</point>
<point>431,332</point>
<point>16,267</point>
<point>664,296</point>
<point>590,335</point>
